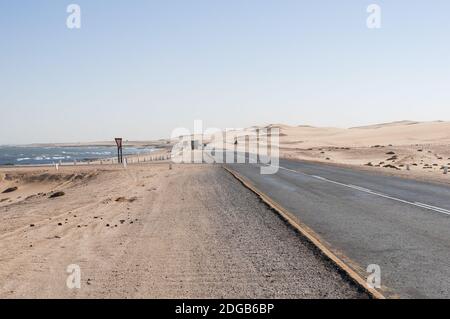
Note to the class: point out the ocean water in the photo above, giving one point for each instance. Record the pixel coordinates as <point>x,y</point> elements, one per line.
<point>25,155</point>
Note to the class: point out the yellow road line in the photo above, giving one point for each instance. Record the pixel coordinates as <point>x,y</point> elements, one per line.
<point>310,235</point>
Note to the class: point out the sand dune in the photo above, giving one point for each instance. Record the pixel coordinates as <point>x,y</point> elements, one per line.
<point>389,124</point>
<point>419,150</point>
<point>397,133</point>
<point>30,182</point>
<point>406,148</point>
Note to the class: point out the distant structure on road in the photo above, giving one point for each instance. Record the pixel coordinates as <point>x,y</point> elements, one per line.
<point>194,145</point>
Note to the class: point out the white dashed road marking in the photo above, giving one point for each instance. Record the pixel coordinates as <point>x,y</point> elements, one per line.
<point>365,190</point>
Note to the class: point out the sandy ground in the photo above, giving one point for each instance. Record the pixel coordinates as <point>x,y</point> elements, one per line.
<point>151,232</point>
<point>420,162</point>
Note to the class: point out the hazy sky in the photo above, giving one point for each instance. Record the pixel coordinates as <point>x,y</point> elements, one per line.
<point>142,68</point>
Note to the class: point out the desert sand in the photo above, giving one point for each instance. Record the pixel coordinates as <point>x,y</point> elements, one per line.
<point>152,231</point>
<point>418,150</point>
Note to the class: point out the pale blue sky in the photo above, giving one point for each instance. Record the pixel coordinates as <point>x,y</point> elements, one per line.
<point>141,68</point>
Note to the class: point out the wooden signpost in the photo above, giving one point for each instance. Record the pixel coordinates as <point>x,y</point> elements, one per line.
<point>119,150</point>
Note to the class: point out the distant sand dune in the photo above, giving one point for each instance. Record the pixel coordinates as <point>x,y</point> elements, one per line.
<point>381,125</point>
<point>397,133</point>
<point>413,149</point>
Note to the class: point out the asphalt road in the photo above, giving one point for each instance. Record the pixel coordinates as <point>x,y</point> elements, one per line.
<point>399,224</point>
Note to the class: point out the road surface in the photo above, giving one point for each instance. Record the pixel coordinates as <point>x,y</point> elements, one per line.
<point>399,224</point>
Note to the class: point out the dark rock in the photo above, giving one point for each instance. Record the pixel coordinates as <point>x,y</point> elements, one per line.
<point>10,190</point>
<point>57,194</point>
